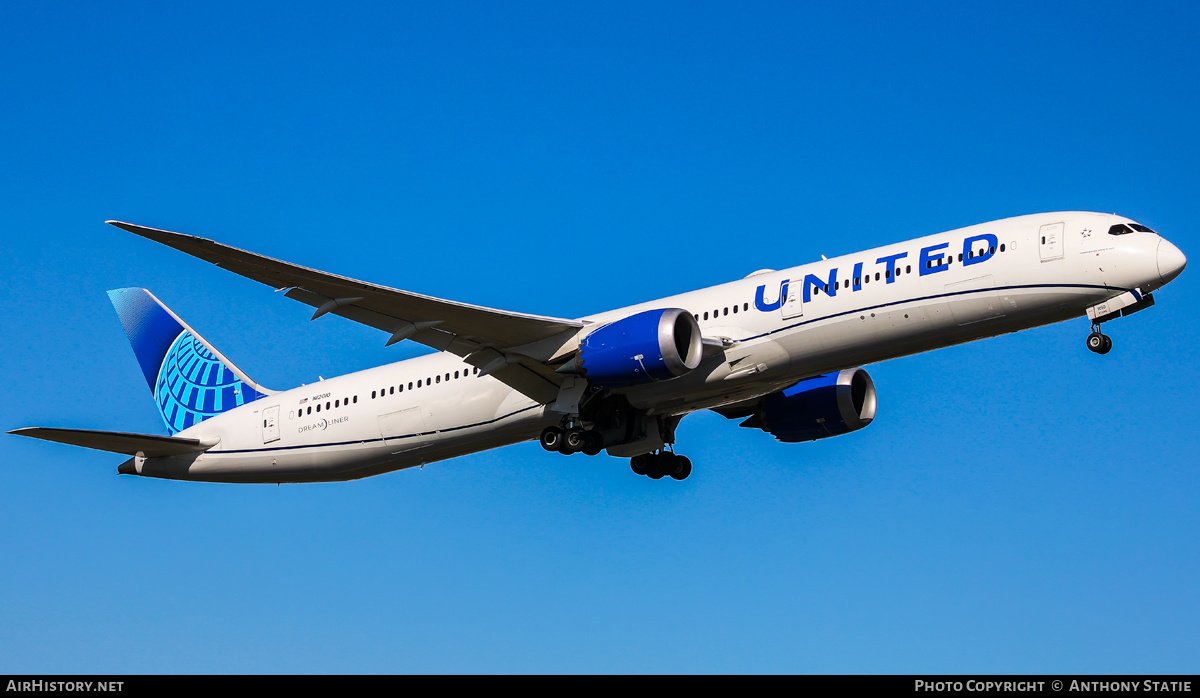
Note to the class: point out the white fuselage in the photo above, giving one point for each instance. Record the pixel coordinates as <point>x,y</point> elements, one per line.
<point>778,327</point>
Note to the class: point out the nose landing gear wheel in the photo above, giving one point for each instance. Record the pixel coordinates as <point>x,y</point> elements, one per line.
<point>1099,343</point>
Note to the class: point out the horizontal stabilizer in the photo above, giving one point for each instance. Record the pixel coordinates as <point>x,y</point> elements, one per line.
<point>148,445</point>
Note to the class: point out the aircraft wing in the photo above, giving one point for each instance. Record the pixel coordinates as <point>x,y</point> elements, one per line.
<point>149,445</point>
<point>512,347</point>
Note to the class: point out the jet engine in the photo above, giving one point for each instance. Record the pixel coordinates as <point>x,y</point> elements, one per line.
<point>819,407</point>
<point>650,346</point>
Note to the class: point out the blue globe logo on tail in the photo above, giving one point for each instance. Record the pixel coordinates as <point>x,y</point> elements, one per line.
<point>189,380</point>
<point>193,385</point>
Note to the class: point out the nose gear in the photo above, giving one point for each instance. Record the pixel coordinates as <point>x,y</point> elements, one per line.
<point>1099,342</point>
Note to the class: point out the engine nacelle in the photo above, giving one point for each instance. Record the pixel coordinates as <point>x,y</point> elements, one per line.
<point>817,408</point>
<point>650,346</point>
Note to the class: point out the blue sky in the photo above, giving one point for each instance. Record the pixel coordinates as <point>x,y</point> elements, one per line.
<point>1019,504</point>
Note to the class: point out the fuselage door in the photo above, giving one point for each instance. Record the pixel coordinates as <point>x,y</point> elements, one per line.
<point>793,302</point>
<point>405,430</point>
<point>1051,241</point>
<point>271,424</point>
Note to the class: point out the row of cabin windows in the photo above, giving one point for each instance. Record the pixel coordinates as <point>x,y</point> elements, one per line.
<point>970,255</point>
<point>392,390</point>
<point>340,402</point>
<point>858,281</point>
<point>720,312</point>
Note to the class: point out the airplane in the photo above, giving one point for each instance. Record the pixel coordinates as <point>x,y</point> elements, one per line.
<point>781,350</point>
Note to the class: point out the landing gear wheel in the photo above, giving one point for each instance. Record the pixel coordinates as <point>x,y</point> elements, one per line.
<point>654,466</point>
<point>552,438</point>
<point>575,441</point>
<point>683,468</point>
<point>1099,343</point>
<point>593,443</point>
<point>638,464</point>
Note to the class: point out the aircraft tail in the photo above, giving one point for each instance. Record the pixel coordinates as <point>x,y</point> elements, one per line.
<point>190,380</point>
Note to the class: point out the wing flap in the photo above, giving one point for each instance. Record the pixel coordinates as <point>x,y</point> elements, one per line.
<point>149,445</point>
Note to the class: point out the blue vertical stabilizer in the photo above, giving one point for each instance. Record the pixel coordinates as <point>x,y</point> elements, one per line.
<point>191,380</point>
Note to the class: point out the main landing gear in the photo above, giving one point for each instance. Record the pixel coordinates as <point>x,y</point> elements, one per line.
<point>1099,342</point>
<point>573,440</point>
<point>587,441</point>
<point>661,464</point>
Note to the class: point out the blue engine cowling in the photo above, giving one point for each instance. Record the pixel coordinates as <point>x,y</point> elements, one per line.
<point>819,407</point>
<point>650,346</point>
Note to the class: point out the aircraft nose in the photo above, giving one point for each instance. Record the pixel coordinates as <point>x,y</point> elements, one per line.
<point>1170,261</point>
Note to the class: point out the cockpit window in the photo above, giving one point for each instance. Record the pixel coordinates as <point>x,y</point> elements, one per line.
<point>1126,228</point>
